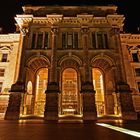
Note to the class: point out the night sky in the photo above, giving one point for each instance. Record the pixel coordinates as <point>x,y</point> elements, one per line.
<point>129,8</point>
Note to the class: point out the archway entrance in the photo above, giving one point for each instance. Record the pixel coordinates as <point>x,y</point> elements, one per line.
<point>70,97</point>
<point>99,88</point>
<point>41,85</point>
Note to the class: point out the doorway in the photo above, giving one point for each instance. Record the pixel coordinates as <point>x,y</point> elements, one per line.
<point>70,96</point>
<point>41,86</point>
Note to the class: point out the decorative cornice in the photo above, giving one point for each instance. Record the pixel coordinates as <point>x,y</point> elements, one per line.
<point>4,38</point>
<point>99,20</point>
<point>81,19</point>
<point>85,18</point>
<point>23,20</point>
<point>130,38</point>
<point>116,20</point>
<point>54,19</point>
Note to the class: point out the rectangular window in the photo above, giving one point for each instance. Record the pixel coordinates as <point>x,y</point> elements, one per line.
<point>39,40</point>
<point>135,57</point>
<point>46,40</point>
<point>99,40</point>
<point>137,71</point>
<point>70,40</point>
<point>33,40</point>
<point>2,71</point>
<point>1,83</point>
<point>138,83</point>
<point>94,40</point>
<point>75,40</point>
<point>105,41</point>
<point>4,57</point>
<point>64,44</point>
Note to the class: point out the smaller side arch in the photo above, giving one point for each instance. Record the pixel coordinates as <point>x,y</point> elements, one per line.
<point>102,62</point>
<point>35,57</point>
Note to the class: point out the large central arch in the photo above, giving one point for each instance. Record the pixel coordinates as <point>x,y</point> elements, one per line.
<point>37,76</point>
<point>70,98</point>
<point>103,68</point>
<point>69,92</point>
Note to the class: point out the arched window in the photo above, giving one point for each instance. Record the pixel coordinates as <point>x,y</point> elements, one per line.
<point>99,88</point>
<point>41,86</point>
<point>69,92</point>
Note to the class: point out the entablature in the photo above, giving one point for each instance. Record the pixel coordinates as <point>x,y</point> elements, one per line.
<point>116,20</point>
<point>130,39</point>
<point>4,38</point>
<point>82,19</point>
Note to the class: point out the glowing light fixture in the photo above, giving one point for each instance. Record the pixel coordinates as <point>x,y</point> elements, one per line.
<point>123,130</point>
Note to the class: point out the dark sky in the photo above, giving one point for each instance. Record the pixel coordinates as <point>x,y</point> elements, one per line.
<point>129,8</point>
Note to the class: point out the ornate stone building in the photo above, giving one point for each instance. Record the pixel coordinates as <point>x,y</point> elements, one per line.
<point>9,65</point>
<point>74,61</point>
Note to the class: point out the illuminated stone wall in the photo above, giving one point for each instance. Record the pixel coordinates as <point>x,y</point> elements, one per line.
<point>131,56</point>
<point>9,55</point>
<point>81,38</point>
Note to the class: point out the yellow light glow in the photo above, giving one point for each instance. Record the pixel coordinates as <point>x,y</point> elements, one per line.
<point>123,130</point>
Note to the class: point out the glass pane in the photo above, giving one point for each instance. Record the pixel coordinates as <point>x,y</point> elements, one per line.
<point>93,40</point>
<point>105,41</point>
<point>41,85</point>
<point>70,40</point>
<point>100,41</point>
<point>75,40</point>
<point>64,40</point>
<point>4,57</point>
<point>99,96</point>
<point>46,41</point>
<point>135,57</point>
<point>39,40</point>
<point>33,41</point>
<point>69,92</point>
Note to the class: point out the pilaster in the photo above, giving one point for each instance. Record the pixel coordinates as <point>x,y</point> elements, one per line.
<point>88,96</point>
<point>51,106</point>
<point>126,103</point>
<point>17,89</point>
<point>13,109</point>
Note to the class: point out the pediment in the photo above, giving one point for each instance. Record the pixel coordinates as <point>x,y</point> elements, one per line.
<point>6,48</point>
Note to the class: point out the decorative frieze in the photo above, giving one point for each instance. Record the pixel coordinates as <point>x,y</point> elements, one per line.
<point>116,20</point>
<point>130,38</point>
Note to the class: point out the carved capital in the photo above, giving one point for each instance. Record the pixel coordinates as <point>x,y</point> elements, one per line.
<point>24,30</point>
<point>84,30</point>
<point>54,30</point>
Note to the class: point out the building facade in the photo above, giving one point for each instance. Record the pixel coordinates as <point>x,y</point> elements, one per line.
<point>9,65</point>
<point>74,61</point>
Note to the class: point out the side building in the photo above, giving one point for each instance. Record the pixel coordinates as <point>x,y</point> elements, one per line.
<point>131,56</point>
<point>9,55</point>
<point>72,61</point>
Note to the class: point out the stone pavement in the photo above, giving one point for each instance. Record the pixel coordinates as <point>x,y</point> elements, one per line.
<point>76,130</point>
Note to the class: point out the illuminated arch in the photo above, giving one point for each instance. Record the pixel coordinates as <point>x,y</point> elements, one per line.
<point>70,57</point>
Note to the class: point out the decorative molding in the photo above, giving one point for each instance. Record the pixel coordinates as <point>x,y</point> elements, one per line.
<point>9,38</point>
<point>54,19</point>
<point>23,20</point>
<point>116,20</point>
<point>130,38</point>
<point>6,48</point>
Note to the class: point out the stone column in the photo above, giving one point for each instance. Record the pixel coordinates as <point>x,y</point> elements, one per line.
<point>18,89</point>
<point>125,102</point>
<point>51,106</point>
<point>87,90</point>
<point>122,88</point>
